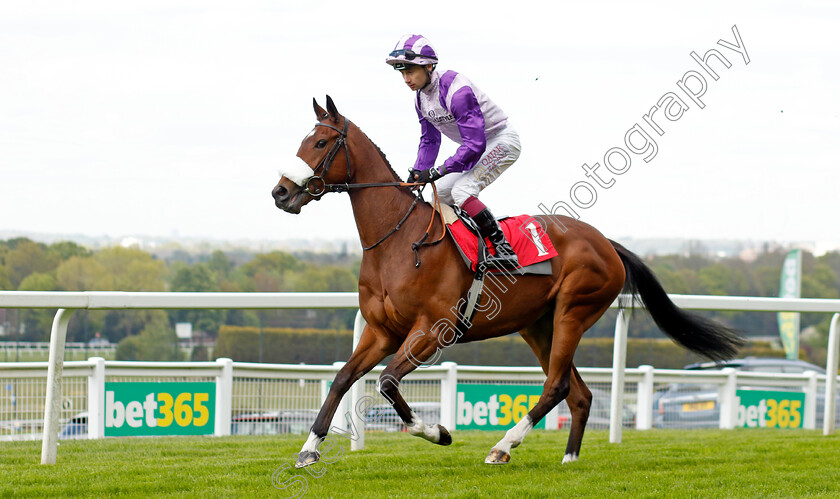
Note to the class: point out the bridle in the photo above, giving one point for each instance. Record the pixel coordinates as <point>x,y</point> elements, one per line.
<point>325,163</point>
<point>311,186</point>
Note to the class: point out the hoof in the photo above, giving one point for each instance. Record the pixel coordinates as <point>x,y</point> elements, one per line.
<point>306,458</point>
<point>497,457</point>
<point>445,437</point>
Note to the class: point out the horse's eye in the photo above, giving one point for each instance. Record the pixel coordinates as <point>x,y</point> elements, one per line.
<point>321,144</point>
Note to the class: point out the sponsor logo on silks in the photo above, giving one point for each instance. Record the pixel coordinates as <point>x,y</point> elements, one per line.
<point>159,408</point>
<point>494,407</point>
<point>446,118</point>
<point>769,409</point>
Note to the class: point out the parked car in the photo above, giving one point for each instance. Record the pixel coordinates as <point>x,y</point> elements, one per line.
<point>696,405</point>
<point>385,418</point>
<point>298,422</point>
<point>599,412</point>
<point>76,428</point>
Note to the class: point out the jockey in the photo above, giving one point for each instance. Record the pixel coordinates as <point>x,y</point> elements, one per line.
<point>451,104</point>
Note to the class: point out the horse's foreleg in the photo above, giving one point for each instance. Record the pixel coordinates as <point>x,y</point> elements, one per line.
<point>370,350</point>
<point>414,351</point>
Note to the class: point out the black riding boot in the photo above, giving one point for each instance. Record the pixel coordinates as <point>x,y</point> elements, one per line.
<point>489,228</point>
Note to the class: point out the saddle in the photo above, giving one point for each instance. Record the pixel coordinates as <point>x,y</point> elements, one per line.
<point>524,233</point>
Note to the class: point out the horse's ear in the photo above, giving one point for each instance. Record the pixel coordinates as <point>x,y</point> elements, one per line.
<point>332,109</point>
<point>320,114</point>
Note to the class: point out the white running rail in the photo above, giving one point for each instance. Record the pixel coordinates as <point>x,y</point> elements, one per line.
<point>67,302</point>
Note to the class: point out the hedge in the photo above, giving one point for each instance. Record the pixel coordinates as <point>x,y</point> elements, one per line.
<point>325,346</point>
<point>284,345</point>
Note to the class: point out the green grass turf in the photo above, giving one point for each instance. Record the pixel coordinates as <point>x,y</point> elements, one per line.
<point>658,463</point>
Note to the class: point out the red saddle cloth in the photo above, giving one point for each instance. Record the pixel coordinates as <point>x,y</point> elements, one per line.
<point>524,233</point>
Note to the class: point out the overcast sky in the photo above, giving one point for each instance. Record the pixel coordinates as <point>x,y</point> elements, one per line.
<point>165,118</point>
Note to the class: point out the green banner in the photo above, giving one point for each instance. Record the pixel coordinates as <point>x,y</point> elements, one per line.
<point>769,409</point>
<point>494,407</point>
<point>789,287</point>
<point>170,408</point>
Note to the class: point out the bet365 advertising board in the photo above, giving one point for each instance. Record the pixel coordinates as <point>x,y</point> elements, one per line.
<point>494,407</point>
<point>170,408</point>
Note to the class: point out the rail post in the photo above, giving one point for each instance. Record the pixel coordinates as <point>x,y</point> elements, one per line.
<point>831,375</point>
<point>357,391</point>
<point>96,399</point>
<point>340,418</point>
<point>809,422</point>
<point>644,404</point>
<point>728,399</point>
<point>448,395</point>
<point>619,363</point>
<point>52,410</point>
<point>224,397</point>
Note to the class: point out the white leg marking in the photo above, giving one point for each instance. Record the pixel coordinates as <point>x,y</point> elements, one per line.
<point>570,458</point>
<point>419,429</point>
<point>515,435</point>
<point>312,443</point>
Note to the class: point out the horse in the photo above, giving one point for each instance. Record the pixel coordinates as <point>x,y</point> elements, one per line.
<point>409,289</point>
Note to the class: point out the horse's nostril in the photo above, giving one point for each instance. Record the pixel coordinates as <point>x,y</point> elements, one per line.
<point>280,192</point>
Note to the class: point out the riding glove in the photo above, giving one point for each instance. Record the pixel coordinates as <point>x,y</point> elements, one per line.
<point>426,176</point>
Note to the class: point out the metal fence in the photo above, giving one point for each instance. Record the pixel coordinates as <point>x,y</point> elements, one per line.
<point>24,389</point>
<point>67,302</point>
<point>274,398</point>
<point>21,351</point>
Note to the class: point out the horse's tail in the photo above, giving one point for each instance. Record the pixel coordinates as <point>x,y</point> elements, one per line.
<point>692,331</point>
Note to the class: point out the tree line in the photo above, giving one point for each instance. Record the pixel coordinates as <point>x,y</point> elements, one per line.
<point>697,274</point>
<point>27,265</point>
<point>66,266</point>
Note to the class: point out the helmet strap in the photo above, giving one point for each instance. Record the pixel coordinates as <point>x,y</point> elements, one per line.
<point>429,74</point>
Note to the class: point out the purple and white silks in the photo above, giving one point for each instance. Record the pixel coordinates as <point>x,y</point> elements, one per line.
<point>451,104</point>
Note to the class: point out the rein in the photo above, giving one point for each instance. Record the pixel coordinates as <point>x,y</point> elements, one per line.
<point>312,188</point>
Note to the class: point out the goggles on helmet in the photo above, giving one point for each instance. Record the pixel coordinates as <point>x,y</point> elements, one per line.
<point>410,55</point>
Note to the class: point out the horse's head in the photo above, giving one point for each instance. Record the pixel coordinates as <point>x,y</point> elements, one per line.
<point>321,162</point>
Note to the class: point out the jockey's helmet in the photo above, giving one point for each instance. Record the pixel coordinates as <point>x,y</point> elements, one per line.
<point>412,49</point>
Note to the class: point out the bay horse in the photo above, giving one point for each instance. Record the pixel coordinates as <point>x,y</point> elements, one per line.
<point>405,304</point>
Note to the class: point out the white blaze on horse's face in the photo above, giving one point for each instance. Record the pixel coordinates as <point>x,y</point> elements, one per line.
<point>298,172</point>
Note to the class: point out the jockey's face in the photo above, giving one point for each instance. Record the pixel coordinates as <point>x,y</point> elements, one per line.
<point>416,77</point>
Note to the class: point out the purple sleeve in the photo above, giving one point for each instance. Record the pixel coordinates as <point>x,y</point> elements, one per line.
<point>427,153</point>
<point>470,122</point>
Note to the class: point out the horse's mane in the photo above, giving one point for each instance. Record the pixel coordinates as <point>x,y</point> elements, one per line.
<point>382,154</point>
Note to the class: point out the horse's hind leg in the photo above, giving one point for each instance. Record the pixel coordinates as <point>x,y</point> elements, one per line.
<point>567,333</point>
<point>579,400</point>
<point>571,319</point>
